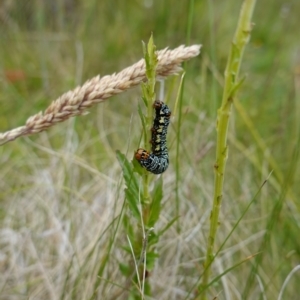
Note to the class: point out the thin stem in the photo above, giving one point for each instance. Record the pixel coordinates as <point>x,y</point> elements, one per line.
<point>214,100</point>
<point>149,96</point>
<point>179,100</point>
<point>241,38</point>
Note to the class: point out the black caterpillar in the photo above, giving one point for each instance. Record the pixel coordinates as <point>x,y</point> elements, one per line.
<point>157,161</point>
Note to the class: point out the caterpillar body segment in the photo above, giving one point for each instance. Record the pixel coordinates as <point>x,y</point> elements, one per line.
<point>157,161</point>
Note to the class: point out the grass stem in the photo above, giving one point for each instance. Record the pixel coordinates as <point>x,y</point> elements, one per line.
<point>149,96</point>
<point>232,83</point>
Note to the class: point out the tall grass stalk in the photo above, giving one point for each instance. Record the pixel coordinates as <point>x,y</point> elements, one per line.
<point>179,101</point>
<point>232,84</point>
<point>212,44</point>
<point>149,95</point>
<point>144,206</point>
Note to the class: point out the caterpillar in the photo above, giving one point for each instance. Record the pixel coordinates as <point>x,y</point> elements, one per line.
<point>157,161</point>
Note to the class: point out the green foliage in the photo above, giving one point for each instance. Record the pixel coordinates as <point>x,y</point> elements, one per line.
<point>132,190</point>
<point>155,205</point>
<point>144,207</point>
<point>151,63</point>
<point>232,83</point>
<point>148,88</point>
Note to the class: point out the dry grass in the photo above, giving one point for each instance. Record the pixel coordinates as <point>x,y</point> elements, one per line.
<point>98,89</point>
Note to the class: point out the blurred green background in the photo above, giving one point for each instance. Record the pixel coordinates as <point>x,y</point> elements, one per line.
<point>50,47</point>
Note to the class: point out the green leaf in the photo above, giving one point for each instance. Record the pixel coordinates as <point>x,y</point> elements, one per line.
<point>133,189</point>
<point>236,86</point>
<point>127,223</point>
<point>125,269</point>
<point>146,92</point>
<point>144,86</point>
<point>155,206</point>
<point>142,117</point>
<point>152,55</point>
<point>137,167</point>
<point>152,239</point>
<point>150,260</point>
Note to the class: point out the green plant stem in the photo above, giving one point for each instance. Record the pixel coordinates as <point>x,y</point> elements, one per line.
<point>241,38</point>
<point>179,100</point>
<point>149,97</point>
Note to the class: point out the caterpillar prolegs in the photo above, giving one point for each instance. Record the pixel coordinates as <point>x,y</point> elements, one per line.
<point>157,161</point>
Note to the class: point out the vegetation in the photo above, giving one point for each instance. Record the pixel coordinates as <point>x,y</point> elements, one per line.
<point>76,222</point>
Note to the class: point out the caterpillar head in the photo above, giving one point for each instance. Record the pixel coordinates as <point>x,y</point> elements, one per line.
<point>141,154</point>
